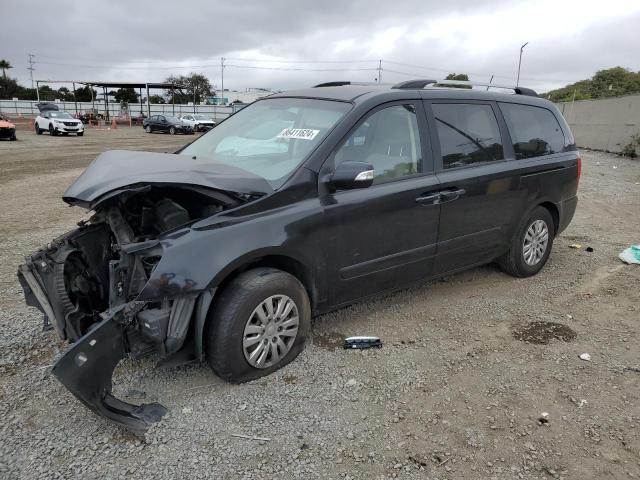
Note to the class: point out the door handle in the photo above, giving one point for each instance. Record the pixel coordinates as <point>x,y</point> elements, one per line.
<point>429,199</point>
<point>451,195</point>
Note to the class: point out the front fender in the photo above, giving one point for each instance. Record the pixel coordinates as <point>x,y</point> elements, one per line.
<point>199,259</point>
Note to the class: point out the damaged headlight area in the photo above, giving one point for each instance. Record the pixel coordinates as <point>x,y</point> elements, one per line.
<point>87,283</point>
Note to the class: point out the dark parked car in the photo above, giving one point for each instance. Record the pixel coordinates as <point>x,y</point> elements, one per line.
<point>166,123</point>
<point>299,204</point>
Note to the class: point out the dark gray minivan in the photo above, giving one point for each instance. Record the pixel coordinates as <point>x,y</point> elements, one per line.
<point>301,203</point>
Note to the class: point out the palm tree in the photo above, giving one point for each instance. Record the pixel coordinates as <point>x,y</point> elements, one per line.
<point>5,65</point>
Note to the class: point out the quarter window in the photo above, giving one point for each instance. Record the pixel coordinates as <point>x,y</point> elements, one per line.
<point>389,140</point>
<point>468,134</point>
<point>535,131</point>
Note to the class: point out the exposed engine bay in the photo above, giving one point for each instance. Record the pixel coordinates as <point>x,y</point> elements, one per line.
<point>87,281</point>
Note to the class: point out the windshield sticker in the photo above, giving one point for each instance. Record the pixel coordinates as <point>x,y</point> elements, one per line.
<point>301,133</point>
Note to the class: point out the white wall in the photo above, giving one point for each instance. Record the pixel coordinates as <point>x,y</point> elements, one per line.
<point>28,109</point>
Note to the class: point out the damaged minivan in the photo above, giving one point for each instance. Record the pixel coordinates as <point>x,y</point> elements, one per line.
<point>301,203</point>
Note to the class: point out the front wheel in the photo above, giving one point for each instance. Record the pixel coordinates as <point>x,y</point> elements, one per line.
<point>172,130</point>
<point>257,325</point>
<point>80,134</point>
<point>531,245</point>
<point>52,131</point>
<point>147,129</point>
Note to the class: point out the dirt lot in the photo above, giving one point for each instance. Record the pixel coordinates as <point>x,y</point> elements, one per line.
<point>469,363</point>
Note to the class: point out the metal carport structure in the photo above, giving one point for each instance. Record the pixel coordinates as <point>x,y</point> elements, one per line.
<point>105,85</point>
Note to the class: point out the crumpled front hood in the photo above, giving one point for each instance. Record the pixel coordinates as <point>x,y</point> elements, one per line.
<point>118,169</point>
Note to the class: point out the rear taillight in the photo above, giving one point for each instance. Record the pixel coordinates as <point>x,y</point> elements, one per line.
<point>579,168</point>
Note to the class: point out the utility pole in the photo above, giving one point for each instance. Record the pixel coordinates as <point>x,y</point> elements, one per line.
<point>520,62</point>
<point>194,97</point>
<point>380,71</point>
<point>222,82</point>
<point>31,67</point>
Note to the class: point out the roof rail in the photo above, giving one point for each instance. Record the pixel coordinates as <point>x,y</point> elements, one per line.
<point>413,84</point>
<point>340,84</point>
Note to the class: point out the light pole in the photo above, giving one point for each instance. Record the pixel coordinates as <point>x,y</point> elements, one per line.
<point>520,62</point>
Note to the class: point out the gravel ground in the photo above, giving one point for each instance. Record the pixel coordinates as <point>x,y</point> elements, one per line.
<point>468,366</point>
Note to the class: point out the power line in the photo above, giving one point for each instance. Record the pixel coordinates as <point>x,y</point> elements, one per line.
<point>293,69</point>
<point>261,60</point>
<point>283,67</point>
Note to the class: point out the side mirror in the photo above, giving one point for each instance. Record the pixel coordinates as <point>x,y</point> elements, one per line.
<point>350,175</point>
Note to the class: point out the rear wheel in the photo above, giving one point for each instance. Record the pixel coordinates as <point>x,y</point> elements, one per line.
<point>531,245</point>
<point>38,129</point>
<point>172,130</point>
<point>259,324</point>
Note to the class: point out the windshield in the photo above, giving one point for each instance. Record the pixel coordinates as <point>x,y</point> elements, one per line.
<point>270,138</point>
<point>60,115</point>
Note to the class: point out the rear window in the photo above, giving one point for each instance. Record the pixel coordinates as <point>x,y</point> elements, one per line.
<point>468,134</point>
<point>535,131</point>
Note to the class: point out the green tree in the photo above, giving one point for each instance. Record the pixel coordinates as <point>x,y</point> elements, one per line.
<point>65,95</point>
<point>458,76</point>
<point>128,95</point>
<point>156,99</point>
<point>186,85</point>
<point>5,65</point>
<point>84,94</point>
<point>47,93</point>
<point>611,82</point>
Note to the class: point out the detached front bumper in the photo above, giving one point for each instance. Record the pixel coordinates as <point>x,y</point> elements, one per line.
<point>87,367</point>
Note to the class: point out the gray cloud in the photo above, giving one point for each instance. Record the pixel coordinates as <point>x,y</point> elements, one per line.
<point>149,40</point>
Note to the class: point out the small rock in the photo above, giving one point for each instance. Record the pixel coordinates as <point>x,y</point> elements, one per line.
<point>585,356</point>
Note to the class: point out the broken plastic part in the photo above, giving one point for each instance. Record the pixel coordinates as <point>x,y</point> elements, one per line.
<point>362,342</point>
<point>86,370</point>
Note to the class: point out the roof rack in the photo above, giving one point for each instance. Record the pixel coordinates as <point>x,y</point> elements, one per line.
<point>340,84</point>
<point>421,83</point>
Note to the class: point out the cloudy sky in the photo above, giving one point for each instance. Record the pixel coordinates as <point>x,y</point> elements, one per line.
<point>284,44</point>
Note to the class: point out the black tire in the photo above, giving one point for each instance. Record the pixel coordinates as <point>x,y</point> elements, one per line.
<point>233,308</point>
<point>80,134</point>
<point>513,262</point>
<point>148,129</point>
<point>172,130</point>
<point>38,129</point>
<point>14,138</point>
<point>52,131</point>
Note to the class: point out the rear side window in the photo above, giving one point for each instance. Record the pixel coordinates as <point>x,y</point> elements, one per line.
<point>468,134</point>
<point>535,131</point>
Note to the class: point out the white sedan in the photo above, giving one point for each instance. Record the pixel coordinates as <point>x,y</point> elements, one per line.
<point>56,122</point>
<point>199,122</point>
